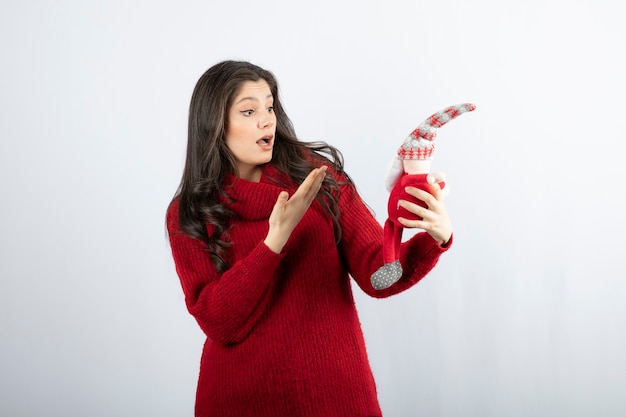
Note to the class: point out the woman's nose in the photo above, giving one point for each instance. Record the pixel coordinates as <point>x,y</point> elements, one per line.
<point>267,121</point>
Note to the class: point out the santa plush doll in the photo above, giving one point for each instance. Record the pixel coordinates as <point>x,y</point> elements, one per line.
<point>410,168</point>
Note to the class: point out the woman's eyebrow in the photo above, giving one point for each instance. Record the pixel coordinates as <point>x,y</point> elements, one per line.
<point>253,98</point>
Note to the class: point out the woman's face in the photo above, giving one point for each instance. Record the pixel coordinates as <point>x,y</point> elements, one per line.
<point>251,128</point>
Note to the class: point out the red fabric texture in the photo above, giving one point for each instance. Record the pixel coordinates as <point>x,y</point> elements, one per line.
<point>283,335</point>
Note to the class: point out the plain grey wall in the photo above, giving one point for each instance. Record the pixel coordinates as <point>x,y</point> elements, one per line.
<point>524,316</point>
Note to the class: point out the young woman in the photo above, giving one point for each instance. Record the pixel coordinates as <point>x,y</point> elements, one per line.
<point>265,233</point>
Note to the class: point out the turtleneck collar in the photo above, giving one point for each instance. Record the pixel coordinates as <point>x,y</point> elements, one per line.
<point>251,200</point>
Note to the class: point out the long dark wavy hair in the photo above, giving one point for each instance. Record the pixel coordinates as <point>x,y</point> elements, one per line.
<point>209,160</point>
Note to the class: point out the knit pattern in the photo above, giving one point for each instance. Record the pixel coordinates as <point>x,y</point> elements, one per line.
<point>420,143</point>
<point>283,335</point>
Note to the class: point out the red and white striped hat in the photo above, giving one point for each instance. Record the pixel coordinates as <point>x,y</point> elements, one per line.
<point>420,144</point>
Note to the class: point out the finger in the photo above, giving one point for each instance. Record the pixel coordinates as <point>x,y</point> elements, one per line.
<point>319,176</point>
<point>435,190</point>
<point>424,214</point>
<point>413,208</point>
<point>314,178</point>
<point>312,183</point>
<point>306,192</point>
<point>420,194</point>
<point>413,224</point>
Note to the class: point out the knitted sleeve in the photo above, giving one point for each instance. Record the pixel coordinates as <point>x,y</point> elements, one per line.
<point>226,306</point>
<point>362,247</point>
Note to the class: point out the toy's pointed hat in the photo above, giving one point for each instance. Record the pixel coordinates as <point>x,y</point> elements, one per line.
<point>420,144</point>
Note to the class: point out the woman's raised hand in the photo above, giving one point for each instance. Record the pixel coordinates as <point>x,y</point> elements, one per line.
<point>288,212</point>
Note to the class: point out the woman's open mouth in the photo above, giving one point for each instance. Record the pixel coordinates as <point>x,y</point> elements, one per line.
<point>266,142</point>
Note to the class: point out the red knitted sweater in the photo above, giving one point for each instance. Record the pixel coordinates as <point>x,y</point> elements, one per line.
<point>283,335</point>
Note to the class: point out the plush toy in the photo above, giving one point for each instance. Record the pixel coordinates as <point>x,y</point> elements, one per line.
<point>410,168</point>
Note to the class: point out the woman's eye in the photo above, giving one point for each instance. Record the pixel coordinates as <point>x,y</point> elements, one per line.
<point>270,109</point>
<point>247,112</point>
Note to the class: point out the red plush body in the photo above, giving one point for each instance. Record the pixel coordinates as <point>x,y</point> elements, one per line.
<point>393,228</point>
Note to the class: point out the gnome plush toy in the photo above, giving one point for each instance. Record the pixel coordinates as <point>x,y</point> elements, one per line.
<point>410,168</point>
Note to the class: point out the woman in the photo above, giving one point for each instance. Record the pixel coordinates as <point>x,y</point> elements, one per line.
<point>265,232</point>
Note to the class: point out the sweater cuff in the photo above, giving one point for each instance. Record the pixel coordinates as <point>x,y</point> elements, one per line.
<point>446,245</point>
<point>263,257</point>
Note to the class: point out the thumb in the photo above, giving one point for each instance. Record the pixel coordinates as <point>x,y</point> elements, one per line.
<point>435,177</point>
<point>439,178</point>
<point>445,191</point>
<point>279,206</point>
<point>282,199</point>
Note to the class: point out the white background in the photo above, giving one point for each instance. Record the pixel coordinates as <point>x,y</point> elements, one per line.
<point>525,315</point>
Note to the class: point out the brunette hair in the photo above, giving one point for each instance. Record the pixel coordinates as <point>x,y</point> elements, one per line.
<point>208,159</point>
